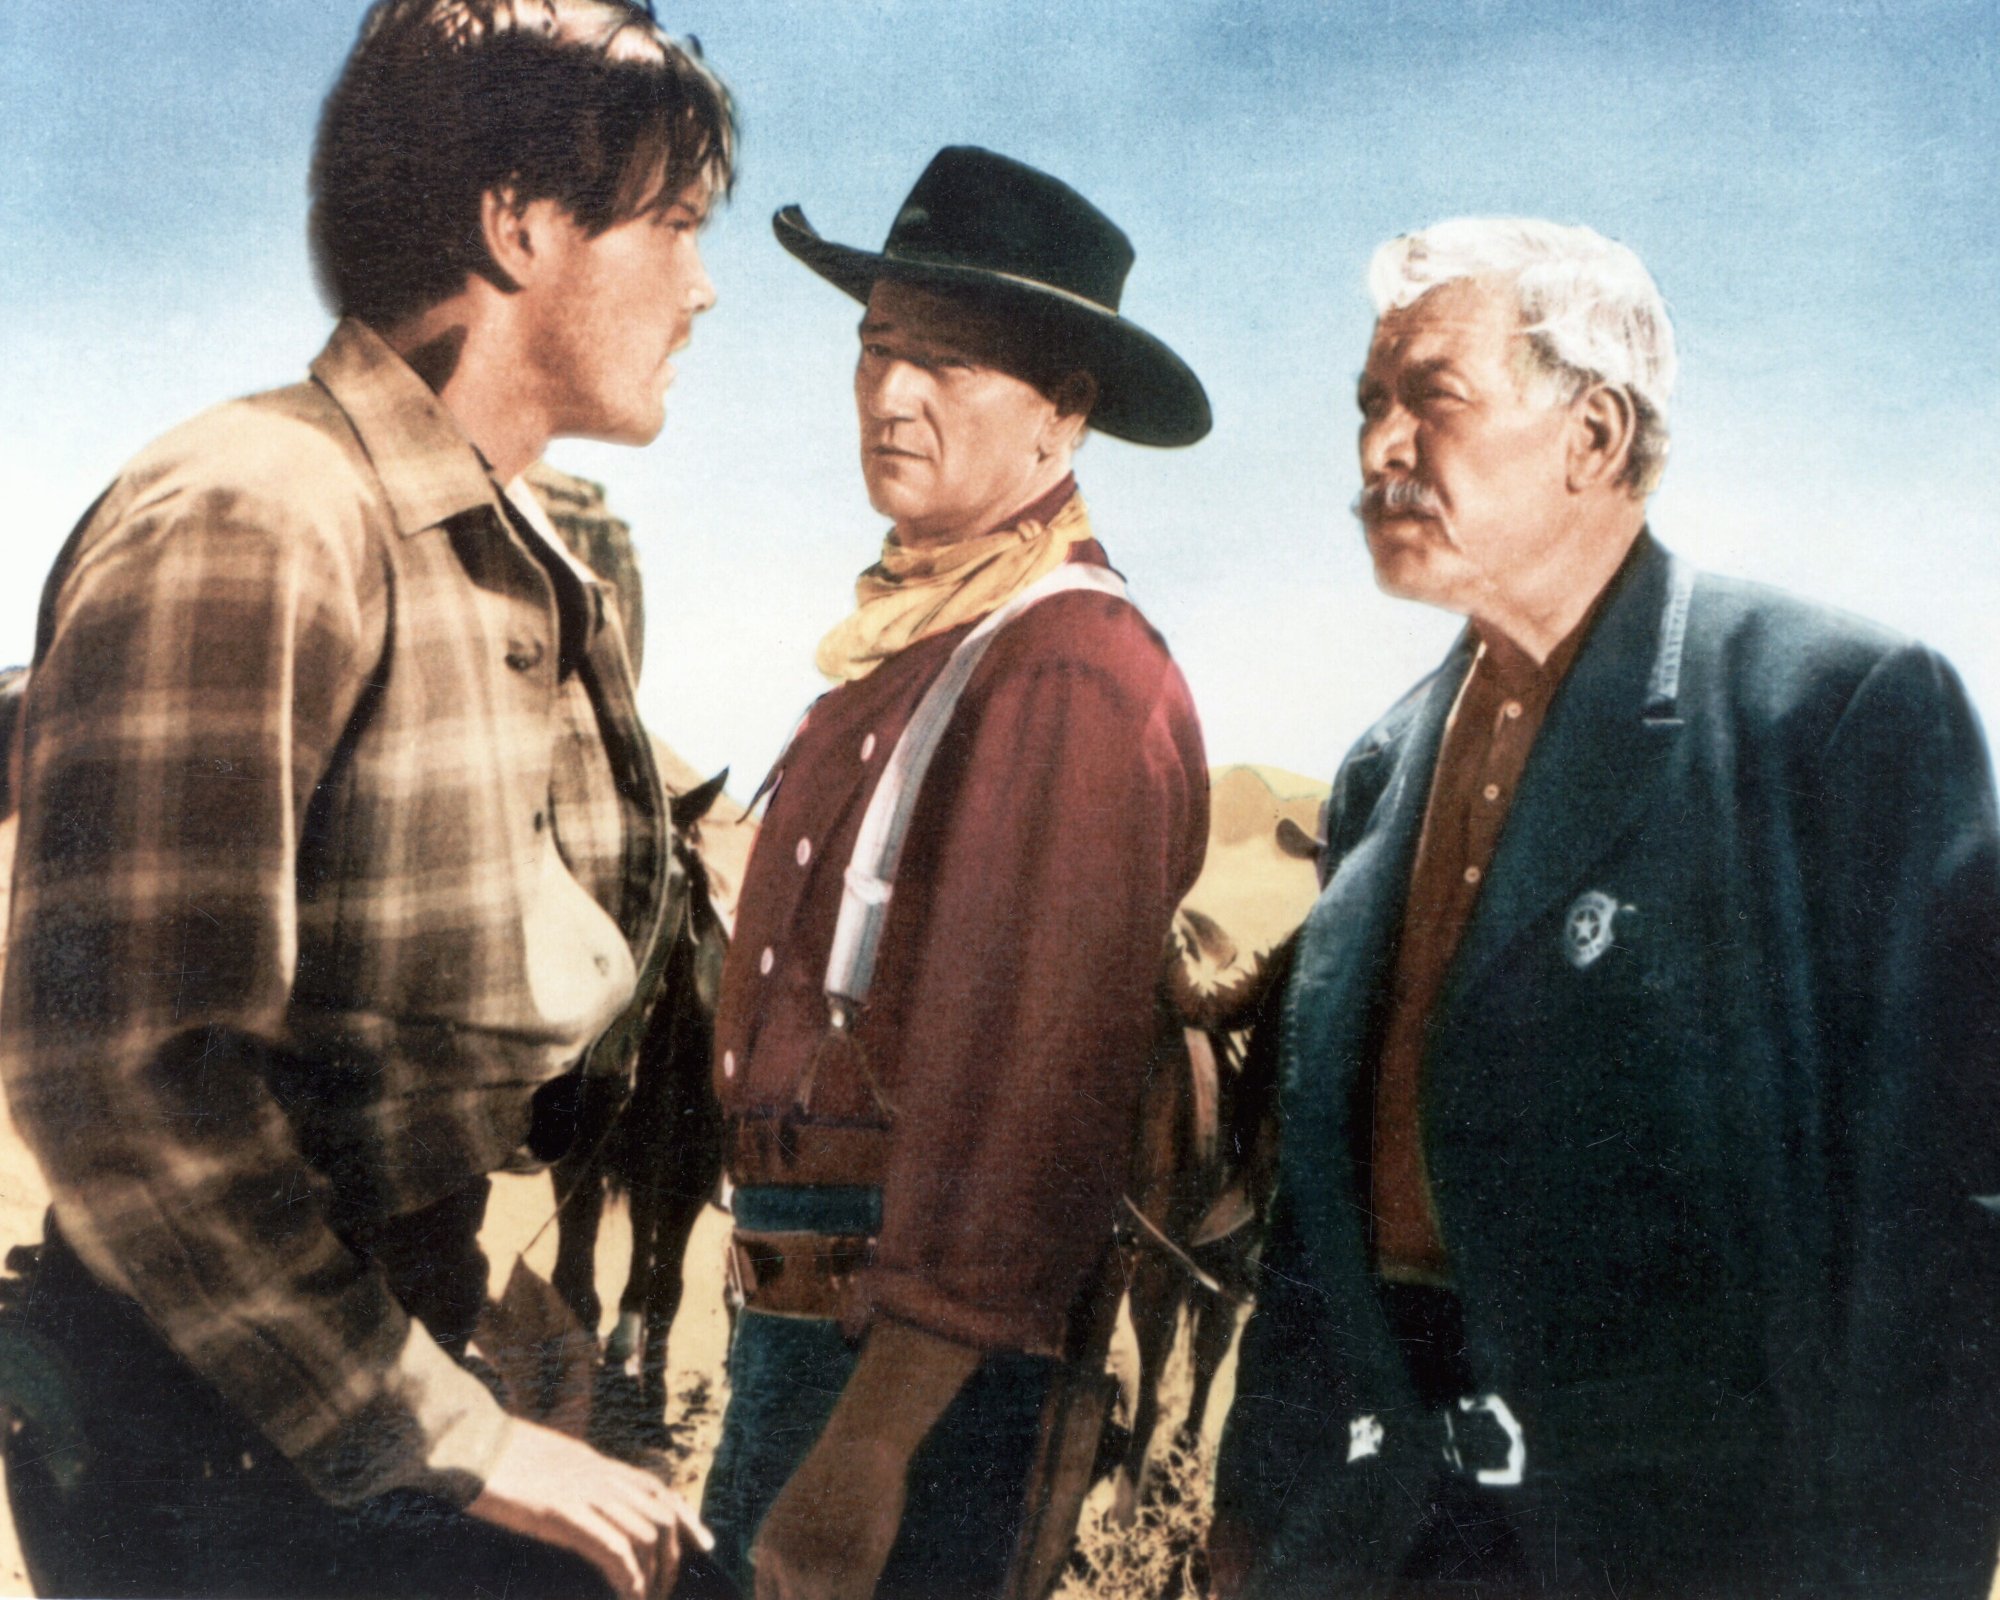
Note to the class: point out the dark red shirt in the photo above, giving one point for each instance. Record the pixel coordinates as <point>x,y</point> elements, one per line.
<point>1011,1018</point>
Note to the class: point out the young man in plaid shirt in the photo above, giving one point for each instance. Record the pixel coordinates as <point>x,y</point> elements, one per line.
<point>340,844</point>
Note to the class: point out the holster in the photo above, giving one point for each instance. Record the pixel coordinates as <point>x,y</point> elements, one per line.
<point>1081,1395</point>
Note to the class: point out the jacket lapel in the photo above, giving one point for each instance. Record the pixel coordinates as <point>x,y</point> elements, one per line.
<point>1613,721</point>
<point>1352,928</point>
<point>1344,951</point>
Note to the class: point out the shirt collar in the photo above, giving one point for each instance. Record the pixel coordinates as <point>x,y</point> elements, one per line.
<point>1045,508</point>
<point>1519,676</point>
<point>429,469</point>
<point>521,497</point>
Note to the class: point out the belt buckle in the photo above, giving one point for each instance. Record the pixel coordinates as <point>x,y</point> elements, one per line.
<point>1505,1477</point>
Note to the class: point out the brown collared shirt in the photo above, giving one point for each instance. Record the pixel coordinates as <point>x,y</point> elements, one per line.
<point>1485,749</point>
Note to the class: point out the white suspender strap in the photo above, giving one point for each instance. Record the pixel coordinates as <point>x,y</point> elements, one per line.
<point>871,872</point>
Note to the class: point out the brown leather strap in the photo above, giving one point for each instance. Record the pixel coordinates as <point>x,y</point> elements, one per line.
<point>799,1274</point>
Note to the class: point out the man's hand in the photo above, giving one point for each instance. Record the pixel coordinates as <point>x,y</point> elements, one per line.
<point>624,1522</point>
<point>828,1535</point>
<point>1232,1550</point>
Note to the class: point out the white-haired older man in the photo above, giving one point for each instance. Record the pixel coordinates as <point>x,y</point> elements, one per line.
<point>1637,1224</point>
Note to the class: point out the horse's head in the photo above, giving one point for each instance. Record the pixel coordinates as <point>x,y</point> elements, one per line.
<point>688,809</point>
<point>703,925</point>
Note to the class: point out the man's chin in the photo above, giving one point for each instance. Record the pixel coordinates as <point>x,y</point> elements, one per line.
<point>1403,568</point>
<point>890,494</point>
<point>638,427</point>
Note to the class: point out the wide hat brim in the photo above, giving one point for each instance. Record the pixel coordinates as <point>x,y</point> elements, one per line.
<point>1145,393</point>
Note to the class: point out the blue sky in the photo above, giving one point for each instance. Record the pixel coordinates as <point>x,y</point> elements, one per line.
<point>1811,183</point>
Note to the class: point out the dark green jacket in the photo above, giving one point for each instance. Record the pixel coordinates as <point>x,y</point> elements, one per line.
<point>1712,1194</point>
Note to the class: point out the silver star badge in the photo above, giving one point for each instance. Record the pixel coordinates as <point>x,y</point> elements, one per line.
<point>1588,929</point>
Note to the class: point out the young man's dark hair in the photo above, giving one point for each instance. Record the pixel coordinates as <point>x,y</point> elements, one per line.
<point>585,102</point>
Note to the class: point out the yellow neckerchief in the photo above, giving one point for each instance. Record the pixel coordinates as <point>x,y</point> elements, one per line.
<point>911,594</point>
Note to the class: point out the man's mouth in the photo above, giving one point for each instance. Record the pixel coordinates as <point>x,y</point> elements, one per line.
<point>674,347</point>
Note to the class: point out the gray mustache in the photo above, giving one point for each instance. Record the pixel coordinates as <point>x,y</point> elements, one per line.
<point>1398,497</point>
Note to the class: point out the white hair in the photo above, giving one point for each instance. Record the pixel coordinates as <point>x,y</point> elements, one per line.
<point>1590,312</point>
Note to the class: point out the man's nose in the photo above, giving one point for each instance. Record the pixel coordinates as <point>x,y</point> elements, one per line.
<point>890,390</point>
<point>701,292</point>
<point>1388,443</point>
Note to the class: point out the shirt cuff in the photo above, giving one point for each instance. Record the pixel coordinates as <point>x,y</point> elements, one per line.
<point>432,1426</point>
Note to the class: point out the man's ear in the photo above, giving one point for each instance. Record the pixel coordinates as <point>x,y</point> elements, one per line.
<point>1605,424</point>
<point>1073,395</point>
<point>510,228</point>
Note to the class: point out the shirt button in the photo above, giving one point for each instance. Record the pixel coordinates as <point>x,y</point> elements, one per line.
<point>541,820</point>
<point>868,747</point>
<point>1472,874</point>
<point>1491,791</point>
<point>729,1063</point>
<point>767,961</point>
<point>804,853</point>
<point>1512,709</point>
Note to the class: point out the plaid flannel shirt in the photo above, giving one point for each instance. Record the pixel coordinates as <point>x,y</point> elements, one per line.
<point>326,863</point>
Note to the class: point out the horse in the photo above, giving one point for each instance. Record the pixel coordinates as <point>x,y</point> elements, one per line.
<point>1205,1160</point>
<point>1204,1171</point>
<point>663,1147</point>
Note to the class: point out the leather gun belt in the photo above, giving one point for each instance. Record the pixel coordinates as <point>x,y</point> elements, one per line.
<point>798,1274</point>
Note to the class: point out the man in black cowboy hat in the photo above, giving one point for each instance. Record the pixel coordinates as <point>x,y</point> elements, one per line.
<point>939,1003</point>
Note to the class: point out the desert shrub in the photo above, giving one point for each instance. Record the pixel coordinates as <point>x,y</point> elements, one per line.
<point>1163,1555</point>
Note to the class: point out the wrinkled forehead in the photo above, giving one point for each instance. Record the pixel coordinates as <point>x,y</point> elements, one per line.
<point>1469,321</point>
<point>943,321</point>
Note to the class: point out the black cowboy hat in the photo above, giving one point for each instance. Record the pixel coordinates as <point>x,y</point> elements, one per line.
<point>1026,241</point>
